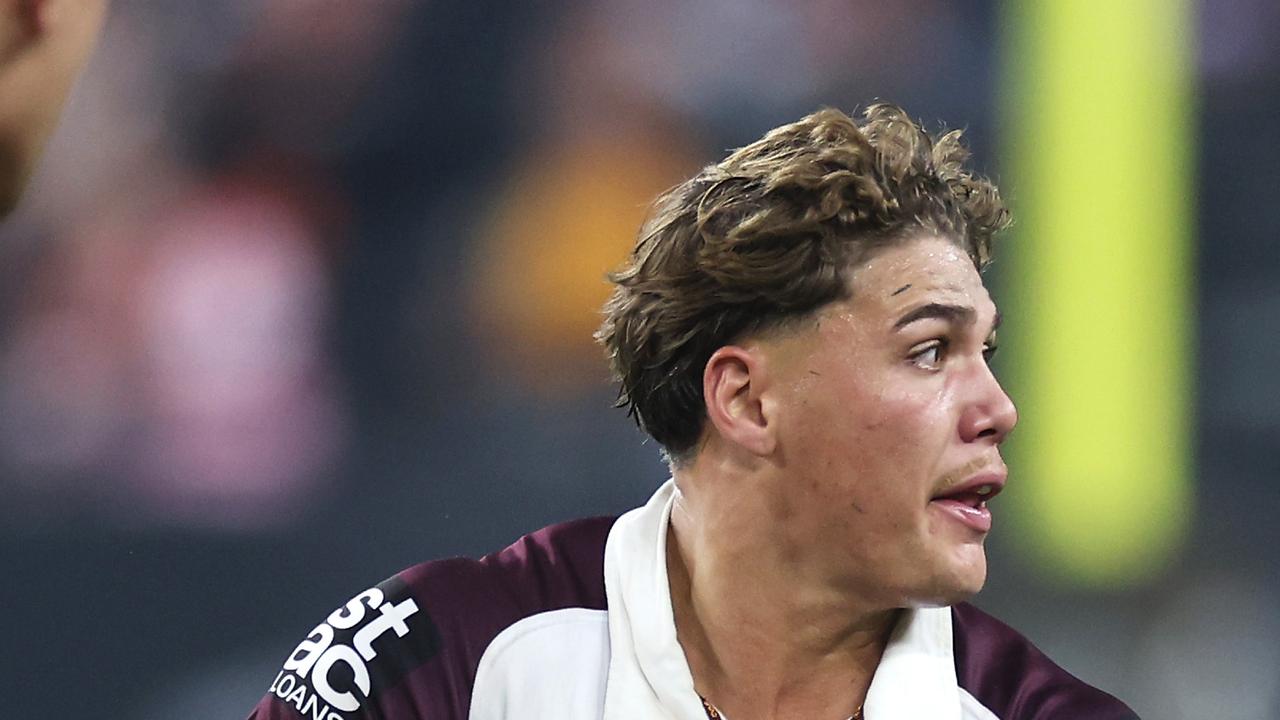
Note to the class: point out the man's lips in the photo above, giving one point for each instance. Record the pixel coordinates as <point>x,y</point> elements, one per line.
<point>967,501</point>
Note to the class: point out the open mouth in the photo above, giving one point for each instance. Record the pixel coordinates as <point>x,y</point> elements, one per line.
<point>975,497</point>
<point>968,503</point>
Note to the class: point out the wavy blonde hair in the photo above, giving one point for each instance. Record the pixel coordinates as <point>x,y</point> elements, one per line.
<point>768,236</point>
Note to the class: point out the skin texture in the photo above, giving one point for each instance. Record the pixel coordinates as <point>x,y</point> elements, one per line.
<point>43,46</point>
<point>826,445</point>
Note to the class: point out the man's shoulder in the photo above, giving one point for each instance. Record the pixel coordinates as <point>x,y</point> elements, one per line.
<point>1013,679</point>
<point>410,646</point>
<point>559,566</point>
<point>556,567</point>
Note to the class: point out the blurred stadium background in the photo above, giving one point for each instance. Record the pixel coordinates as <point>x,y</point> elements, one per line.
<point>304,293</point>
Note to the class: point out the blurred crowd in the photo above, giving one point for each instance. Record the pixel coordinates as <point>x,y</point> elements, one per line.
<point>304,294</point>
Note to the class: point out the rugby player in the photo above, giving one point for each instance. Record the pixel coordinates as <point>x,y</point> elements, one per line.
<point>803,329</point>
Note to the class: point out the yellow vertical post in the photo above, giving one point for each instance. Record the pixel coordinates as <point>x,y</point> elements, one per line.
<point>1097,108</point>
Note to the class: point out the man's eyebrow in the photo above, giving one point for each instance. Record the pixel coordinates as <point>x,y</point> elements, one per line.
<point>959,314</point>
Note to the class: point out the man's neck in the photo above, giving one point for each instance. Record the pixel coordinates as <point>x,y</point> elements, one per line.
<point>759,642</point>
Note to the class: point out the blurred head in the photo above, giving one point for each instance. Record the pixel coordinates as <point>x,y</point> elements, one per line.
<point>811,308</point>
<point>43,45</point>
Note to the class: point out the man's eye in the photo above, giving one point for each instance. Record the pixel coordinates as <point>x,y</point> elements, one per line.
<point>929,355</point>
<point>989,351</point>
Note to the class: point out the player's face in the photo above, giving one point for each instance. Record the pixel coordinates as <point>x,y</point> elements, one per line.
<point>43,44</point>
<point>890,423</point>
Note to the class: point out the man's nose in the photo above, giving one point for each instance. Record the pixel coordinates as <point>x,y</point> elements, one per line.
<point>990,412</point>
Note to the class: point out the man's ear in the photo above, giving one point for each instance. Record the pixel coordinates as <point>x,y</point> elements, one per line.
<point>732,382</point>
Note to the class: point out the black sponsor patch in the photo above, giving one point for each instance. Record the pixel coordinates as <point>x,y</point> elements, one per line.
<point>398,656</point>
<point>364,647</point>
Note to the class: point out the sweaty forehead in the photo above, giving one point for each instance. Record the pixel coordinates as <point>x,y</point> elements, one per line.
<point>924,270</point>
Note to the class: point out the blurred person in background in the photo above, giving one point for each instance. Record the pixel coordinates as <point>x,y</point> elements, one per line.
<point>43,46</point>
<point>804,330</point>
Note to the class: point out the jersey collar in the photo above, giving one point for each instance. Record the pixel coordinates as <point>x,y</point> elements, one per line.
<point>649,676</point>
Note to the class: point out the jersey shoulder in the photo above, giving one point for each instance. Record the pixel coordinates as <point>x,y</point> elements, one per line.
<point>409,647</point>
<point>1014,680</point>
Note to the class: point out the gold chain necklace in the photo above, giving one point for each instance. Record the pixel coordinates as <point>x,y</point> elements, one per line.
<point>714,714</point>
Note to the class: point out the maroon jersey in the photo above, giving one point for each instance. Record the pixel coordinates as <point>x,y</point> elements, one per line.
<point>548,628</point>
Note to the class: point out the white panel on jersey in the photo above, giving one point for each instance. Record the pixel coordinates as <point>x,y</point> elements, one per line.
<point>971,709</point>
<point>549,665</point>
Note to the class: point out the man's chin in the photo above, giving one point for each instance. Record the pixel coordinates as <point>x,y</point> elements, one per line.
<point>955,586</point>
<point>968,584</point>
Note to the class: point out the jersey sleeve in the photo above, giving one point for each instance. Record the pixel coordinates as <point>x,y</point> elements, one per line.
<point>356,663</point>
<point>409,647</point>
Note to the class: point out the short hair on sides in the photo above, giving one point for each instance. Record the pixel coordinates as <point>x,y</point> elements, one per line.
<point>768,236</point>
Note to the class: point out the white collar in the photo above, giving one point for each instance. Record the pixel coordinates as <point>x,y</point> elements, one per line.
<point>649,676</point>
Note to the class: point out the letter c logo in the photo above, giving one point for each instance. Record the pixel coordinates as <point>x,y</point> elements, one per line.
<point>344,701</point>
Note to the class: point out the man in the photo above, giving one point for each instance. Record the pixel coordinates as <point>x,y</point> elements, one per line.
<point>803,329</point>
<point>43,45</point>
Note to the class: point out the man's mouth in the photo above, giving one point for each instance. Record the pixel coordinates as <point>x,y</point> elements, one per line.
<point>967,502</point>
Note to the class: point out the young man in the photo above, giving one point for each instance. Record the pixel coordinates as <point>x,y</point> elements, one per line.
<point>803,329</point>
<point>43,45</point>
